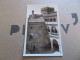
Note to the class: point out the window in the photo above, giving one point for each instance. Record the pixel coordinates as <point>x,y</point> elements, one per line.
<point>54,19</point>
<point>41,26</point>
<point>48,29</point>
<point>46,20</point>
<point>31,27</point>
<point>55,45</point>
<point>50,20</point>
<point>30,37</point>
<point>54,30</point>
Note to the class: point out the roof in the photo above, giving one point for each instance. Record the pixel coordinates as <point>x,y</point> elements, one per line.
<point>44,8</point>
<point>36,20</point>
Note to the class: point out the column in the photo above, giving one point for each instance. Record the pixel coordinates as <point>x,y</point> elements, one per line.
<point>51,40</point>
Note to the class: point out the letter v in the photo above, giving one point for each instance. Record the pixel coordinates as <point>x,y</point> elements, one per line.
<point>65,29</point>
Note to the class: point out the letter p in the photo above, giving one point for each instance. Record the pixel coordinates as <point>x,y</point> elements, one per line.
<point>14,29</point>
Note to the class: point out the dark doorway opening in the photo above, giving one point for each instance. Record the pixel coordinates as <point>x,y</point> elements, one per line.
<point>55,45</point>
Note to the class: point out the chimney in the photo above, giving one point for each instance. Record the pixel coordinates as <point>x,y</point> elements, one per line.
<point>33,16</point>
<point>32,12</point>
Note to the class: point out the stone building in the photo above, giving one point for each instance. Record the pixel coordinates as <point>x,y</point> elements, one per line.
<point>51,22</point>
<point>42,36</point>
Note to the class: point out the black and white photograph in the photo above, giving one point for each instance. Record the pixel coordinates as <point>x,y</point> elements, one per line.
<point>42,31</point>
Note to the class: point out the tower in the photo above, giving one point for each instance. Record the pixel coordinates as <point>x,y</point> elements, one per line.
<point>50,17</point>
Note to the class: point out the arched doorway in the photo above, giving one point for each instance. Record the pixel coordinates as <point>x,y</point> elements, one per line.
<point>55,45</point>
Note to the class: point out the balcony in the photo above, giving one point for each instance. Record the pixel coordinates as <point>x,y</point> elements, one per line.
<point>52,34</point>
<point>51,22</point>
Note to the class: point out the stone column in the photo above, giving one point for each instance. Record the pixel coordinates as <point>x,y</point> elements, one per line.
<point>51,40</point>
<point>50,29</point>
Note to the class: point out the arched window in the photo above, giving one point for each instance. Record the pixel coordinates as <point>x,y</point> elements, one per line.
<point>54,19</point>
<point>50,20</point>
<point>53,30</point>
<point>48,29</point>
